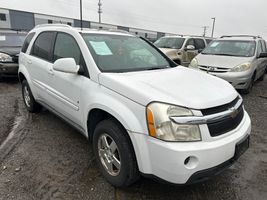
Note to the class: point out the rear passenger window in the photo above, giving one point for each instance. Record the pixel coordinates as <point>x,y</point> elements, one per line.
<point>27,42</point>
<point>42,46</point>
<point>66,47</point>
<point>260,50</point>
<point>199,44</point>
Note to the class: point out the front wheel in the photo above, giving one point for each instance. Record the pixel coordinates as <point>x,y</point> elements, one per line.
<point>29,101</point>
<point>262,77</point>
<point>114,154</point>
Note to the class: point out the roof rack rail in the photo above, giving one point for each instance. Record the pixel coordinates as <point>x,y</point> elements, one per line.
<point>52,25</point>
<point>253,36</point>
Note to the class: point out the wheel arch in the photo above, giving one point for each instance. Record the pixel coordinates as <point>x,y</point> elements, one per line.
<point>102,112</point>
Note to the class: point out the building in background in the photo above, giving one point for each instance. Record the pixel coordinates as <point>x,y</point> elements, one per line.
<point>21,20</point>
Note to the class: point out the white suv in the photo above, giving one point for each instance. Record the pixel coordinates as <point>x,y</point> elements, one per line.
<point>143,114</point>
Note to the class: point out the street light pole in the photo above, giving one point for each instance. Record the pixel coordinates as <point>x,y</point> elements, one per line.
<point>213,26</point>
<point>81,14</point>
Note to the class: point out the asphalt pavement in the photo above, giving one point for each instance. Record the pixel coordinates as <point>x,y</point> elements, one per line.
<point>42,157</point>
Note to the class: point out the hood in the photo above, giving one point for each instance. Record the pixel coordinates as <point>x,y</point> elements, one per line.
<point>221,61</point>
<point>13,51</point>
<point>179,86</point>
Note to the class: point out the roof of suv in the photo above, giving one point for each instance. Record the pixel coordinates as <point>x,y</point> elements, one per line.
<point>45,27</point>
<point>240,37</point>
<point>183,36</point>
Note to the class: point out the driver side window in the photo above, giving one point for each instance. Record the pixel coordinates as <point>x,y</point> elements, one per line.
<point>66,47</point>
<point>190,42</point>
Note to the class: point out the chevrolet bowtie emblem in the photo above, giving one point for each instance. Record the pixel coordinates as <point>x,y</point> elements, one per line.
<point>234,112</point>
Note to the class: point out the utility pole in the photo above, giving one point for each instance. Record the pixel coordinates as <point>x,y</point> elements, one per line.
<point>205,30</point>
<point>213,26</point>
<point>99,11</point>
<point>81,14</point>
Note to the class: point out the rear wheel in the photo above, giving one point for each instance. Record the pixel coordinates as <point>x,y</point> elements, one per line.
<point>114,154</point>
<point>29,101</point>
<point>250,86</point>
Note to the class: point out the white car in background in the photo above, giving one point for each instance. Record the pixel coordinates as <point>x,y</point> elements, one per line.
<point>240,60</point>
<point>143,114</point>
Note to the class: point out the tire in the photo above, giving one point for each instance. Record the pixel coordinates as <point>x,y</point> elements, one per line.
<point>262,77</point>
<point>118,148</point>
<point>28,99</point>
<point>250,86</point>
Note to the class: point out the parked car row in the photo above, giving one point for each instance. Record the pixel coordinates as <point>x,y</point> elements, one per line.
<point>10,46</point>
<point>144,114</point>
<point>182,49</point>
<point>241,60</point>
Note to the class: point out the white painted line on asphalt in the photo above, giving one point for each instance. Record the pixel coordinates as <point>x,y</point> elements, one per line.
<point>17,122</point>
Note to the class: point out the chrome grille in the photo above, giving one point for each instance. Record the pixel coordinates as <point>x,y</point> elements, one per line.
<point>213,69</point>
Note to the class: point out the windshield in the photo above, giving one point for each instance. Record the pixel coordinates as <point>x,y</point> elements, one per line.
<point>117,53</point>
<point>11,39</point>
<point>231,48</point>
<point>170,42</point>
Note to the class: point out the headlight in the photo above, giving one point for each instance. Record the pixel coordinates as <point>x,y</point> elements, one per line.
<point>194,63</point>
<point>242,67</point>
<point>160,126</point>
<point>5,58</point>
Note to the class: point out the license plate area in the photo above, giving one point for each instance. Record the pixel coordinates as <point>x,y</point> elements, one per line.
<point>241,147</point>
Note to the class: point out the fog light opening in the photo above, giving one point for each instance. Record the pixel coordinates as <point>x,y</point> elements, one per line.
<point>191,162</point>
<point>186,161</point>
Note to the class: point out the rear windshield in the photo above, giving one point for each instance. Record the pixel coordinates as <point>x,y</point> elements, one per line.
<point>231,48</point>
<point>11,39</point>
<point>119,53</point>
<point>170,42</point>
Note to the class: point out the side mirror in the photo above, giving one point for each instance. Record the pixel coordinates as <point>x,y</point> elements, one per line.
<point>190,47</point>
<point>263,55</point>
<point>67,65</point>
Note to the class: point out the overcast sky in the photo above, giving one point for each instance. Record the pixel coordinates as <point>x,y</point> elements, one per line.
<point>174,16</point>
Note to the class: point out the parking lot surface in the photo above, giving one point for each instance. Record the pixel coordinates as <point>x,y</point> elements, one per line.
<point>42,157</point>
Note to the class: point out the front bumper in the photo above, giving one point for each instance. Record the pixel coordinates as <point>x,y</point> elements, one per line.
<point>239,80</point>
<point>9,69</point>
<point>168,161</point>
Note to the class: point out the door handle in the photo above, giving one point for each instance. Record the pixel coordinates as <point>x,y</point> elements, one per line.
<point>29,62</point>
<point>51,72</point>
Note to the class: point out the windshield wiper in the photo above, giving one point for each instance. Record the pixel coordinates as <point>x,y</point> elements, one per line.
<point>155,68</point>
<point>222,54</point>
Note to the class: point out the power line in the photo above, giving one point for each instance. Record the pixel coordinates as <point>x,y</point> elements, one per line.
<point>99,11</point>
